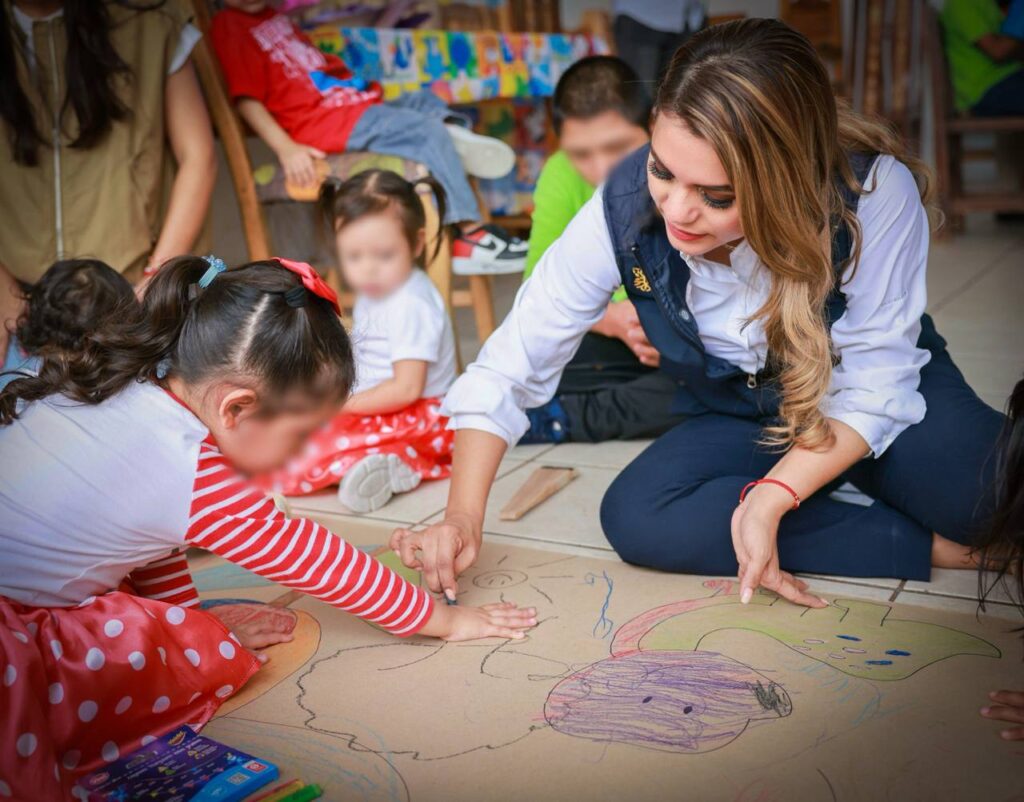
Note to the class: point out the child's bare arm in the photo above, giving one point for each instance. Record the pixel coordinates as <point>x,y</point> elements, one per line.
<point>504,620</point>
<point>191,139</point>
<point>398,392</point>
<point>296,159</point>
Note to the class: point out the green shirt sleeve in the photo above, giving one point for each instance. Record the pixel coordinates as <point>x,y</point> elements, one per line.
<point>559,194</point>
<point>971,19</point>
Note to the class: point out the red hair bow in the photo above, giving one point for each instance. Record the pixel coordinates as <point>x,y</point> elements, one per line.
<point>311,281</point>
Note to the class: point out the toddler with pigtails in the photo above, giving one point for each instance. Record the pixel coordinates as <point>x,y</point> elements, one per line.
<point>390,435</point>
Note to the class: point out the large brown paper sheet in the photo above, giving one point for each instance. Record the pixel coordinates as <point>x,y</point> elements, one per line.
<point>635,686</point>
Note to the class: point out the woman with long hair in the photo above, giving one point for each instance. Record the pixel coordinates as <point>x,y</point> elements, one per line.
<point>774,244</point>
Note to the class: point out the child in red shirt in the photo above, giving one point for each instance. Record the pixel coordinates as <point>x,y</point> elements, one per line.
<point>305,104</point>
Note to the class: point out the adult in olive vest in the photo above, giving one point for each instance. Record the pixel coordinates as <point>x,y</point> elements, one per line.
<point>106,149</point>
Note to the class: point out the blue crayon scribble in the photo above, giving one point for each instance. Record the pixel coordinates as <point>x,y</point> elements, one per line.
<point>603,625</point>
<point>848,637</point>
<point>878,662</point>
<point>898,652</point>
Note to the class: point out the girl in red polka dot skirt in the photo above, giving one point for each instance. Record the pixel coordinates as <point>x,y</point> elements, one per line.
<point>118,458</point>
<point>390,435</point>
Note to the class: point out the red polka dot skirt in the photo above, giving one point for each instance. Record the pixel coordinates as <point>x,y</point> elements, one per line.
<point>416,434</point>
<point>81,686</point>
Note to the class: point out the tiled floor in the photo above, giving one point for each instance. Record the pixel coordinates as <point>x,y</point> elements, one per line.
<point>976,295</point>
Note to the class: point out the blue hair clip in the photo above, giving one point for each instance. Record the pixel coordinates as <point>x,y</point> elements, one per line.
<point>216,267</point>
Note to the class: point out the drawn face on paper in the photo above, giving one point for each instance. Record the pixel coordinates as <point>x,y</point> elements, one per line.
<point>688,702</point>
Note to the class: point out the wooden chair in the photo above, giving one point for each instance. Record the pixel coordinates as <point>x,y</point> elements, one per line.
<point>950,128</point>
<point>251,194</point>
<point>884,66</point>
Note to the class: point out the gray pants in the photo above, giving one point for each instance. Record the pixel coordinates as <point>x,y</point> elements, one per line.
<point>412,127</point>
<point>646,50</point>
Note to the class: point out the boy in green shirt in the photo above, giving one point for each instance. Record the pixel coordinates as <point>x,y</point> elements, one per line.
<point>986,64</point>
<point>612,388</point>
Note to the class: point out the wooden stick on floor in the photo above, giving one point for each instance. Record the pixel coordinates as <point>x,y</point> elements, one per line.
<point>542,484</point>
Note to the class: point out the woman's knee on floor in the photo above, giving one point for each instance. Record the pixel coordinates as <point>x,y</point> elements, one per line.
<point>622,519</point>
<point>671,534</point>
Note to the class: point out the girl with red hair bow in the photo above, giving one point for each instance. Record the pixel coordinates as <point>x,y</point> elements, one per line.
<point>138,446</point>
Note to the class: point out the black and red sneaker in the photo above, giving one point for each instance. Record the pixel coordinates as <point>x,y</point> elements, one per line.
<point>487,250</point>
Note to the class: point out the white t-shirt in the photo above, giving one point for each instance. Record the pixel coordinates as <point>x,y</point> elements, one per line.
<point>410,323</point>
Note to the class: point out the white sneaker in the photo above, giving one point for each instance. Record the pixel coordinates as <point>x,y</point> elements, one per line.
<point>371,482</point>
<point>488,250</point>
<point>482,156</point>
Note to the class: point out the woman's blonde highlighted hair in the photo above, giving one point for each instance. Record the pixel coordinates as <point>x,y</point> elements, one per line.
<point>757,92</point>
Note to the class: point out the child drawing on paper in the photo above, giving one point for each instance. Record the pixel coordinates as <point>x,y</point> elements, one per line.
<point>147,437</point>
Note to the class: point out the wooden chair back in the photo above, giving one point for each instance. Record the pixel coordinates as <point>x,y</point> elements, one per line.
<point>232,135</point>
<point>950,127</point>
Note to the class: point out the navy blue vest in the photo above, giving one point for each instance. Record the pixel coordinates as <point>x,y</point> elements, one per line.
<point>655,277</point>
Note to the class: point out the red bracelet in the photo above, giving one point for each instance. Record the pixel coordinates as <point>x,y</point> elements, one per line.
<point>783,485</point>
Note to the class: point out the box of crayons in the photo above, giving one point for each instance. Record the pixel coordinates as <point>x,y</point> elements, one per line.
<point>180,767</point>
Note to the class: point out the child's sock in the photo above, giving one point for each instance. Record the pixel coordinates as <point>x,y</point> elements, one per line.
<point>371,482</point>
<point>482,156</point>
<point>548,424</point>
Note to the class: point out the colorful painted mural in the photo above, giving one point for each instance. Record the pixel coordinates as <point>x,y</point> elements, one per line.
<point>460,67</point>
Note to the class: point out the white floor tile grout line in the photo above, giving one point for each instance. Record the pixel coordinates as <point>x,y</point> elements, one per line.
<point>941,304</point>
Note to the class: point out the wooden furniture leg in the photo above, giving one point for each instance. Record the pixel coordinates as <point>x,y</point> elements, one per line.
<point>483,306</point>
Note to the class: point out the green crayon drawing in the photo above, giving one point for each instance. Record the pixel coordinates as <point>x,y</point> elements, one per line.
<point>860,638</point>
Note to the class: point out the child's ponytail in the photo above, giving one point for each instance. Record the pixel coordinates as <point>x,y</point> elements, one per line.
<point>258,323</point>
<point>375,191</point>
<point>439,199</point>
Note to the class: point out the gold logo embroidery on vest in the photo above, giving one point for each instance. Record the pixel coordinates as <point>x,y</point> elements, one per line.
<point>640,280</point>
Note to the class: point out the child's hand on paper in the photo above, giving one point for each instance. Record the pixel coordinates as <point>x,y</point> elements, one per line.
<point>505,620</point>
<point>256,626</point>
<point>298,163</point>
<point>1009,706</point>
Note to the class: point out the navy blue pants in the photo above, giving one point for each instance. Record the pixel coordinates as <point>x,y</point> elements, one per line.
<point>671,507</point>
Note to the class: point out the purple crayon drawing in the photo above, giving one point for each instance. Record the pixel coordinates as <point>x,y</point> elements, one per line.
<point>687,702</point>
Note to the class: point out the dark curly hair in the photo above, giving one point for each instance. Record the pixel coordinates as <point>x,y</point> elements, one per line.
<point>73,298</point>
<point>247,326</point>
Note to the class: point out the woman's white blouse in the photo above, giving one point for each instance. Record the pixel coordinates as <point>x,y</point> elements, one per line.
<point>873,389</point>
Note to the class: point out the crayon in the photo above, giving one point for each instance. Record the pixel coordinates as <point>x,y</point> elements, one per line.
<point>304,794</point>
<point>281,792</point>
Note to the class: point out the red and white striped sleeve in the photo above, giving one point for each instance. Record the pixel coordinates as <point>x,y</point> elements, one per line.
<point>168,580</point>
<point>233,518</point>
